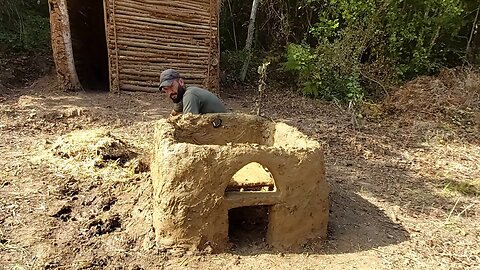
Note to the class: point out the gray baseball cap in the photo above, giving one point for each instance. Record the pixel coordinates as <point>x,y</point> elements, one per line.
<point>167,77</point>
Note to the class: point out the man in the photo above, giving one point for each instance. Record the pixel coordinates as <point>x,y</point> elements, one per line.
<point>188,99</point>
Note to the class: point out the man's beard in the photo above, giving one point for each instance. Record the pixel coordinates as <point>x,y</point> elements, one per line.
<point>180,92</point>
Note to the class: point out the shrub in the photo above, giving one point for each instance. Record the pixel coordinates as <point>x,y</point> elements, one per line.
<point>24,26</point>
<point>352,38</point>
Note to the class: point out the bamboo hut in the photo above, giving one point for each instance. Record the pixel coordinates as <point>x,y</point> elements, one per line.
<point>123,45</point>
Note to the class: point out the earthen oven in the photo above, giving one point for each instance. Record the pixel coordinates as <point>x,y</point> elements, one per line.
<point>124,44</point>
<point>198,184</point>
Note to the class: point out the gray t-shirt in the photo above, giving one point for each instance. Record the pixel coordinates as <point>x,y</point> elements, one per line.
<point>197,100</point>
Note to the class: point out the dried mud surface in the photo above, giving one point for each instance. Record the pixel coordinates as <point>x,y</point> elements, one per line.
<point>75,186</point>
<point>191,205</point>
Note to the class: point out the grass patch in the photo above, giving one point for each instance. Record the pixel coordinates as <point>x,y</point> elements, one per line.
<point>464,188</point>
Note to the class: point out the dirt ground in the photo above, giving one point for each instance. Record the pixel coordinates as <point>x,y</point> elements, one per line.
<point>75,184</point>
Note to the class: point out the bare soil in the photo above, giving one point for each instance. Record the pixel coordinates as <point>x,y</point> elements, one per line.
<point>75,186</point>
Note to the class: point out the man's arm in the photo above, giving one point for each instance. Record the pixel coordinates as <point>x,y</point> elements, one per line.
<point>177,109</point>
<point>191,103</point>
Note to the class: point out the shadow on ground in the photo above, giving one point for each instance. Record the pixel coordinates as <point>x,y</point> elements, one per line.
<point>355,225</point>
<point>358,225</point>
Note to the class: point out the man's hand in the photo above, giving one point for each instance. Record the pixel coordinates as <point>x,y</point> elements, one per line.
<point>175,113</point>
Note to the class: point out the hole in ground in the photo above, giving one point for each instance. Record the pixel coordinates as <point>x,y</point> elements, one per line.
<point>89,42</point>
<point>247,226</point>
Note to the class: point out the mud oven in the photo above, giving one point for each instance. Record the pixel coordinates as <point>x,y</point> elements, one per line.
<point>205,167</point>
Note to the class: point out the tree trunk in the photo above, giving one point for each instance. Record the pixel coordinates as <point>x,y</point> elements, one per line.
<point>248,44</point>
<point>62,45</point>
<point>471,55</point>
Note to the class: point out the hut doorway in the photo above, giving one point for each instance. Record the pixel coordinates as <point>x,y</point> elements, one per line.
<point>89,43</point>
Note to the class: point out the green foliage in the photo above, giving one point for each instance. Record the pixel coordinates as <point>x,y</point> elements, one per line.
<point>24,26</point>
<point>353,39</point>
<point>321,76</point>
<point>231,65</point>
<point>421,34</point>
<point>465,188</point>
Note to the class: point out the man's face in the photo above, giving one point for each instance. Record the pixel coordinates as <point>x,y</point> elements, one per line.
<point>174,91</point>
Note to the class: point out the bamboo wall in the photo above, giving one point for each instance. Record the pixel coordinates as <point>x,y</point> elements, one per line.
<point>147,36</point>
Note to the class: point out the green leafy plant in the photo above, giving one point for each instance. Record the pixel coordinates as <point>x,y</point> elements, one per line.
<point>421,34</point>
<point>356,41</point>
<point>321,76</point>
<point>24,26</point>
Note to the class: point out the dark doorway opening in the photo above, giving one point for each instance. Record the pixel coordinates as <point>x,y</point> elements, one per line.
<point>247,226</point>
<point>89,42</point>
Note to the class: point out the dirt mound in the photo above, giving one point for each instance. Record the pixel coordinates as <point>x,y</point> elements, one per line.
<point>18,69</point>
<point>99,146</point>
<point>454,95</point>
<point>102,190</point>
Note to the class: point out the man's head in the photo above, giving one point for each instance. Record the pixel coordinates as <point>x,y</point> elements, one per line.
<point>172,84</point>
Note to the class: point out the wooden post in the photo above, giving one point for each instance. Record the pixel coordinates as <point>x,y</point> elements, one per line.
<point>262,71</point>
